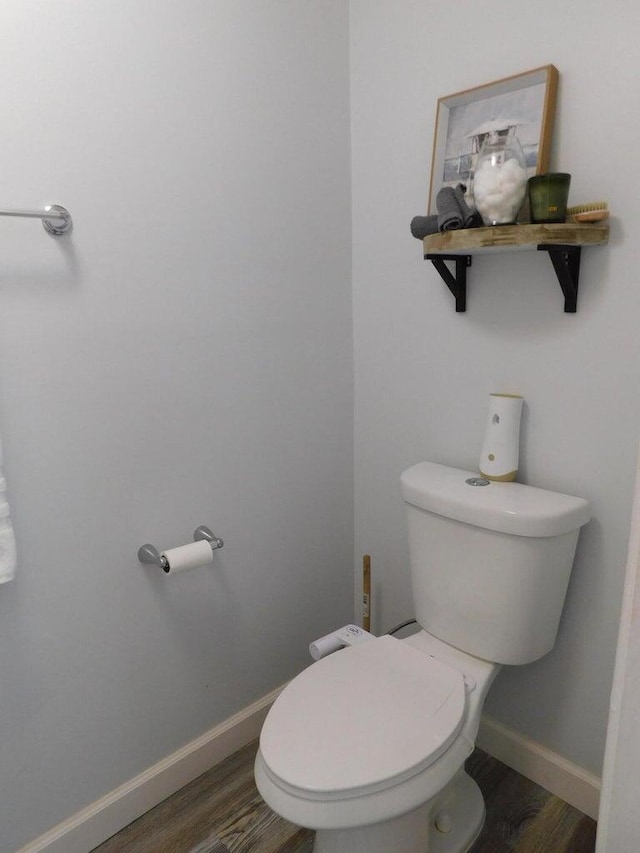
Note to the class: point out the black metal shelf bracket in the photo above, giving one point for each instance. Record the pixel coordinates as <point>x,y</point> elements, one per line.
<point>566,263</point>
<point>457,283</point>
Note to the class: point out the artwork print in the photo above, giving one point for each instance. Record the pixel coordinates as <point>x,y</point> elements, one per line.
<point>522,106</point>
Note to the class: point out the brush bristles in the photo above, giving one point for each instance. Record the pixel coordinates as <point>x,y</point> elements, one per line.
<point>586,208</point>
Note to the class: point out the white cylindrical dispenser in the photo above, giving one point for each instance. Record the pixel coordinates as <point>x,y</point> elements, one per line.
<point>501,446</point>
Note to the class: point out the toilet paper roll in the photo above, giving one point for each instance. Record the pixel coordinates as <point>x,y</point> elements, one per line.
<point>188,556</point>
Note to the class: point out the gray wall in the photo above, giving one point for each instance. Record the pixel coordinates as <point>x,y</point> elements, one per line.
<point>184,358</point>
<point>423,373</point>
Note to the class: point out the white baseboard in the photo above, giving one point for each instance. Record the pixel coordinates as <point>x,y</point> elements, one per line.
<point>561,777</point>
<point>106,816</point>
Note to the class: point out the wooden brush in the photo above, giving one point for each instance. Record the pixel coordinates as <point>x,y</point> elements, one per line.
<point>595,211</point>
<point>366,592</point>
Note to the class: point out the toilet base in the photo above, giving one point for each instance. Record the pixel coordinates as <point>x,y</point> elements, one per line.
<point>458,810</point>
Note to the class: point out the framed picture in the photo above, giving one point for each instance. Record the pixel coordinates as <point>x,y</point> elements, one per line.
<point>523,105</point>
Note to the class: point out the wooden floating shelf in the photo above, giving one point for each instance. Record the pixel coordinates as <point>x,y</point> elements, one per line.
<point>516,237</point>
<point>563,242</point>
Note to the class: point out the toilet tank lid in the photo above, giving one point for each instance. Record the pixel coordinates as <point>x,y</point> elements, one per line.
<point>505,507</point>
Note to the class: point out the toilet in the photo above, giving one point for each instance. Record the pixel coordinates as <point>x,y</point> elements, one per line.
<point>367,745</point>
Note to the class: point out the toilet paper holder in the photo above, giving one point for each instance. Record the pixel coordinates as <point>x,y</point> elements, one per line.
<point>150,554</point>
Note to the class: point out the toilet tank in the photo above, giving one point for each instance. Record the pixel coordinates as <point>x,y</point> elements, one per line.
<point>490,564</point>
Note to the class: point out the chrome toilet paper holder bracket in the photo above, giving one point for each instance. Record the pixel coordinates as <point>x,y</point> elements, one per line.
<point>150,554</point>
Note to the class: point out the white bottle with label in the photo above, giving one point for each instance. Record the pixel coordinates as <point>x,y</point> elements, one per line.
<point>501,446</point>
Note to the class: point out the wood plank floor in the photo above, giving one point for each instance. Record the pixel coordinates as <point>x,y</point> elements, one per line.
<point>222,812</point>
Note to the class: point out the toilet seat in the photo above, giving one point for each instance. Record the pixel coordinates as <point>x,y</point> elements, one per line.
<point>362,720</point>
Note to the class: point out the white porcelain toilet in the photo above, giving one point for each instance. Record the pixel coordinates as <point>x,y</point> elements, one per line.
<point>367,746</point>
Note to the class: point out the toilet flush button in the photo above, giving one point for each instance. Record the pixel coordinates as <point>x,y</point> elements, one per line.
<point>444,822</point>
<point>478,481</point>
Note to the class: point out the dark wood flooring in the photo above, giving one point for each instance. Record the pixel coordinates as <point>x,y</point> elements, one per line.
<point>222,812</point>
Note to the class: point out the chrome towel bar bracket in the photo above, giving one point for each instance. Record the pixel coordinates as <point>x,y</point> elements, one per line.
<point>56,219</point>
<point>150,554</point>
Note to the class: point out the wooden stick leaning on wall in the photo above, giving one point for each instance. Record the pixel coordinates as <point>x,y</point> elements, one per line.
<point>366,592</point>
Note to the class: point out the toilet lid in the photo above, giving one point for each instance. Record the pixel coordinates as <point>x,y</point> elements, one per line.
<point>363,718</point>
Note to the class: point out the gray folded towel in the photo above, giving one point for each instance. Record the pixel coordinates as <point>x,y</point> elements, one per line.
<point>470,218</point>
<point>449,213</point>
<point>422,226</point>
<point>453,213</point>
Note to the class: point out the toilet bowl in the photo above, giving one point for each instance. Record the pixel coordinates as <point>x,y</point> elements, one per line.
<point>367,746</point>
<point>376,738</point>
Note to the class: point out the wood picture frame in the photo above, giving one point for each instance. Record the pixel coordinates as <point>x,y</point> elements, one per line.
<point>523,104</point>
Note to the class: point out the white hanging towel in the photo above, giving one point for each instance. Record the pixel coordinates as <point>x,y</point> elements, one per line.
<point>8,557</point>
